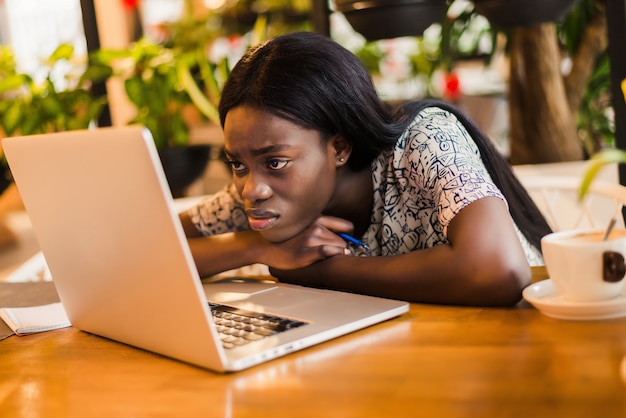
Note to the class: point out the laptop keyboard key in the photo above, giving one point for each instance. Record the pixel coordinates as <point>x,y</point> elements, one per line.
<point>238,327</point>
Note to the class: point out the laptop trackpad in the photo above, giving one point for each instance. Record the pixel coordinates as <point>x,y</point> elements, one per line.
<point>265,293</point>
<point>236,288</point>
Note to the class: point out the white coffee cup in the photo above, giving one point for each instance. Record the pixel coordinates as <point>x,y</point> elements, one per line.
<point>583,266</point>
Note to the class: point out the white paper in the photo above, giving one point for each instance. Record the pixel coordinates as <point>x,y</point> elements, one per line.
<point>28,320</point>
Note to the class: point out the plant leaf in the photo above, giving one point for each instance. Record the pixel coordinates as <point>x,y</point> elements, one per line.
<point>207,108</point>
<point>13,82</point>
<point>64,51</point>
<point>596,162</point>
<point>259,30</point>
<point>96,73</point>
<point>12,118</point>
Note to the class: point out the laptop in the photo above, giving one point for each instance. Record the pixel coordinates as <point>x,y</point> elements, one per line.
<point>106,223</point>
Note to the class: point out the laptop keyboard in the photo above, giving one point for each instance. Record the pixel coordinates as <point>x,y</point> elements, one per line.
<point>238,327</point>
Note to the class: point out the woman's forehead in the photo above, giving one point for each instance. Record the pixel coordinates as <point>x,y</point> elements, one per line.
<point>260,132</point>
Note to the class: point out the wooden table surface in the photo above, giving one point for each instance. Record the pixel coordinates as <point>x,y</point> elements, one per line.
<point>435,361</point>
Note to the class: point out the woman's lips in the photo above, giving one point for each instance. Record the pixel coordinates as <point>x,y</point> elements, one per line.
<point>260,220</point>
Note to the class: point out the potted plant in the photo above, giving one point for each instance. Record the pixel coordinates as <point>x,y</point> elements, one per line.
<point>153,85</point>
<point>174,85</point>
<point>30,107</point>
<point>380,19</point>
<point>511,13</point>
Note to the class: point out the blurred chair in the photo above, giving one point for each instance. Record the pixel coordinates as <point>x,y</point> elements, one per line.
<point>557,198</point>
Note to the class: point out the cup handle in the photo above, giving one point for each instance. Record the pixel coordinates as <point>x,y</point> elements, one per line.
<point>613,267</point>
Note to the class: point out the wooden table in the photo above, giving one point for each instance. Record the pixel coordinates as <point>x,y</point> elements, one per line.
<point>436,361</point>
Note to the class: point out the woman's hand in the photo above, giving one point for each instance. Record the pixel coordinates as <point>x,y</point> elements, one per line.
<point>218,253</point>
<point>317,242</point>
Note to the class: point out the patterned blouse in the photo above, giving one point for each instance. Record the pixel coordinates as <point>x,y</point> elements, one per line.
<point>433,172</point>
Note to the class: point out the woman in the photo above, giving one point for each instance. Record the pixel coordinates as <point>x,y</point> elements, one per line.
<point>315,153</point>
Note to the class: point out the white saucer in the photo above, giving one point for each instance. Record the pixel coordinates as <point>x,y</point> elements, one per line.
<point>543,296</point>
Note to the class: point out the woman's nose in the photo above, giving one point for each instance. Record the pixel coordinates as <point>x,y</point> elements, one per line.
<point>255,188</point>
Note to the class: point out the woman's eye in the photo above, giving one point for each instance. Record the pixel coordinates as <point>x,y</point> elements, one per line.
<point>236,166</point>
<point>277,164</point>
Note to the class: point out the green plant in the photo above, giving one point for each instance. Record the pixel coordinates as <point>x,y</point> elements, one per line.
<point>579,38</point>
<point>594,121</point>
<point>594,118</point>
<point>152,85</point>
<point>600,159</point>
<point>167,81</point>
<point>28,107</point>
<point>596,162</point>
<point>461,35</point>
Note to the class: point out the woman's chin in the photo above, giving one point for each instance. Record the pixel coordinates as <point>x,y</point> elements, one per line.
<point>276,235</point>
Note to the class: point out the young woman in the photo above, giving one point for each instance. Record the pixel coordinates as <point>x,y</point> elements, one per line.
<point>315,153</point>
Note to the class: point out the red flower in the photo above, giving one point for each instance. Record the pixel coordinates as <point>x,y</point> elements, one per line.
<point>452,86</point>
<point>130,4</point>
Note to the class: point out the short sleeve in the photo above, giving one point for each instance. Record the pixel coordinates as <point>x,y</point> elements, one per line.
<point>220,213</point>
<point>447,163</point>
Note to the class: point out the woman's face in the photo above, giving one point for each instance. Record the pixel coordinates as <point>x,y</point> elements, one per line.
<point>284,173</point>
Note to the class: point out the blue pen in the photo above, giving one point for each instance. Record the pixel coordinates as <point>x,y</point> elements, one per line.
<point>353,240</point>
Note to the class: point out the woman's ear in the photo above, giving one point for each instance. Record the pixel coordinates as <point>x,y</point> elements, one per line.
<point>342,149</point>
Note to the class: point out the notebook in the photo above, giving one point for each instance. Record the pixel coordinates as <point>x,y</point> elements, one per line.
<point>105,220</point>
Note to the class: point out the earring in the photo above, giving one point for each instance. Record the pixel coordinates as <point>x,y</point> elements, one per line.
<point>341,159</point>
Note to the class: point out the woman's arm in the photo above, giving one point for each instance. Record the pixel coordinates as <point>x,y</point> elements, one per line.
<point>484,264</point>
<point>218,253</point>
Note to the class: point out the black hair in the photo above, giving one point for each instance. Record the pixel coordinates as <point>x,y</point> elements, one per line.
<point>316,83</point>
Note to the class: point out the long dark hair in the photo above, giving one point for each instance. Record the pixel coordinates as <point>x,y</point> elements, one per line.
<point>316,83</point>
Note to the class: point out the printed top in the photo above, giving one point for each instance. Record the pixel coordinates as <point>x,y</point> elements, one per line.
<point>433,172</point>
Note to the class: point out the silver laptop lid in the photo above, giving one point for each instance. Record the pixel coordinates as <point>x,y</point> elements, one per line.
<point>97,201</point>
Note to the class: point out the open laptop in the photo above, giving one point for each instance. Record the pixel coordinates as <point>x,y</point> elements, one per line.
<point>106,223</point>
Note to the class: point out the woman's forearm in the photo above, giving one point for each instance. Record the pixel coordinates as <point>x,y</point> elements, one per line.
<point>434,275</point>
<point>219,253</point>
<point>484,264</point>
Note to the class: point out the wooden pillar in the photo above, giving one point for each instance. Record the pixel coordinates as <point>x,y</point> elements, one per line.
<point>92,36</point>
<point>320,15</point>
<point>115,30</point>
<point>616,21</point>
